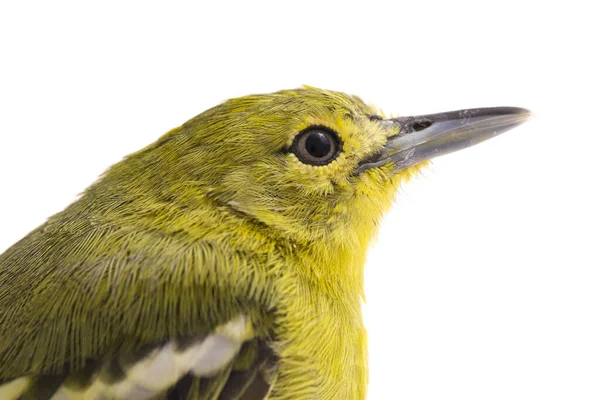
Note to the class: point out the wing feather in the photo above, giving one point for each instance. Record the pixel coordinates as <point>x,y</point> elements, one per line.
<point>218,366</point>
<point>125,319</point>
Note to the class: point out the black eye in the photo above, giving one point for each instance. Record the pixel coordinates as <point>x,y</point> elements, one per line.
<point>316,146</point>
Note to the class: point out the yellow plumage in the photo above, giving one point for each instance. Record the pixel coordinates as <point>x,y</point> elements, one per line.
<point>223,219</point>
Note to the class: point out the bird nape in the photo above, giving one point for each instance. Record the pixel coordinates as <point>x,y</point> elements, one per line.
<point>225,260</point>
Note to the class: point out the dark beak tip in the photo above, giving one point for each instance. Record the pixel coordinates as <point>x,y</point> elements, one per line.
<point>509,116</point>
<point>520,114</point>
<point>526,113</point>
<point>497,112</point>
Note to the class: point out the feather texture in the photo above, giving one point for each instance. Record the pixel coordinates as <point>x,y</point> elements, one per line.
<point>134,290</point>
<point>216,364</point>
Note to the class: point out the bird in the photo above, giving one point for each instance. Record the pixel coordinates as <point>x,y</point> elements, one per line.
<point>223,261</point>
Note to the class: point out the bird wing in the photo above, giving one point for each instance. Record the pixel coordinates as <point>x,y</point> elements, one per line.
<point>99,313</point>
<point>193,368</point>
<point>183,369</point>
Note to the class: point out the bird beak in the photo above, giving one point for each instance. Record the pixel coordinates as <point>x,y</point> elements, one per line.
<point>424,137</point>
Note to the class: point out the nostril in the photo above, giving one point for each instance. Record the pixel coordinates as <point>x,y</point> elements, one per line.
<point>420,125</point>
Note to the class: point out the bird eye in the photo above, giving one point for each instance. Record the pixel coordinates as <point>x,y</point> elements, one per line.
<point>316,146</point>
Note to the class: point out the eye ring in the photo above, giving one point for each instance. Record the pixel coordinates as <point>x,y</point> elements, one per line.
<point>316,145</point>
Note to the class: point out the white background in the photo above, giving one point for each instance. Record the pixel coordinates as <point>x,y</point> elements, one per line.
<point>484,281</point>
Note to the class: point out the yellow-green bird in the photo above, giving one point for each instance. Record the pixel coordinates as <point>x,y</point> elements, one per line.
<point>223,261</point>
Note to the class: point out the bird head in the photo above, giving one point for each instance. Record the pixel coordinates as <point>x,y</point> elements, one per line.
<point>306,165</point>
